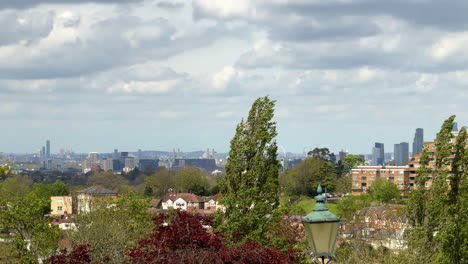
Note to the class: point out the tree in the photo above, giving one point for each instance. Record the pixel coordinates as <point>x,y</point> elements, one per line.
<point>438,215</point>
<point>352,161</point>
<point>250,188</point>
<point>348,205</point>
<point>112,227</point>
<point>184,238</point>
<point>327,177</point>
<point>384,191</point>
<point>191,179</point>
<point>160,182</point>
<point>22,212</point>
<point>323,154</point>
<point>4,171</point>
<point>304,178</point>
<point>107,179</point>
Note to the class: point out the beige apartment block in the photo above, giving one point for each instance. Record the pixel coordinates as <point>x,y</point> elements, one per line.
<point>363,176</point>
<point>61,204</point>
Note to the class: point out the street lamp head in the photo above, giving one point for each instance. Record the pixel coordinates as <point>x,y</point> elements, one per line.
<point>321,227</point>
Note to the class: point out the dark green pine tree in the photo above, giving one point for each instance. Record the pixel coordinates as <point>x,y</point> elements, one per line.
<point>250,189</point>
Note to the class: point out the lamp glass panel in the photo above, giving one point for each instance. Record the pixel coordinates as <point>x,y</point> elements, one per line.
<point>323,236</point>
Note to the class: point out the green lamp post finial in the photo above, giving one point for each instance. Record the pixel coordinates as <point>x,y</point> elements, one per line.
<point>319,189</point>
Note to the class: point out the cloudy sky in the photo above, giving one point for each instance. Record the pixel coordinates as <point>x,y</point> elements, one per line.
<point>94,75</point>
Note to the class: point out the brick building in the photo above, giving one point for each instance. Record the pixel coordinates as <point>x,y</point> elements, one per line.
<point>363,176</point>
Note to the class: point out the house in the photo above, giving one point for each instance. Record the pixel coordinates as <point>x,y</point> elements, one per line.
<point>183,201</point>
<point>212,203</point>
<point>64,222</point>
<point>87,197</point>
<point>61,204</point>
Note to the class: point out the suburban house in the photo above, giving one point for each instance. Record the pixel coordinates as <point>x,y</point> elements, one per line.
<point>87,197</point>
<point>212,203</point>
<point>64,222</point>
<point>183,201</point>
<point>59,205</point>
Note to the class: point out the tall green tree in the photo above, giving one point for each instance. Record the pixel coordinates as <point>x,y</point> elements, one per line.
<point>438,215</point>
<point>250,188</point>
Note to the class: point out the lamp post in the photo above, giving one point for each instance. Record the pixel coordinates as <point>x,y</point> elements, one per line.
<point>321,228</point>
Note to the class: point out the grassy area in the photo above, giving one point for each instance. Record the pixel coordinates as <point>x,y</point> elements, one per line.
<point>307,204</point>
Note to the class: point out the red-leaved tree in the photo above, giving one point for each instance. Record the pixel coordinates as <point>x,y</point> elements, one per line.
<point>186,238</point>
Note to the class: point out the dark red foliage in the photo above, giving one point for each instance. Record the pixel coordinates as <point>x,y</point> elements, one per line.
<point>80,255</point>
<point>185,238</point>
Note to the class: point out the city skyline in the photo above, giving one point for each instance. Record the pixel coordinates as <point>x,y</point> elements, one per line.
<point>334,148</point>
<point>155,74</point>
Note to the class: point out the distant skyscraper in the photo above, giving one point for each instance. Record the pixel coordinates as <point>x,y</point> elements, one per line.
<point>401,153</point>
<point>48,149</point>
<point>418,141</point>
<point>378,154</point>
<point>342,154</point>
<point>43,153</point>
<point>455,127</point>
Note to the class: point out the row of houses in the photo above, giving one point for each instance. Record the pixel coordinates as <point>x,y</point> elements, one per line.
<point>64,207</point>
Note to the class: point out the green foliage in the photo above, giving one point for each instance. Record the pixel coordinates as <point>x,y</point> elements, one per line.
<point>384,191</point>
<point>192,180</point>
<point>4,171</point>
<point>107,179</point>
<point>352,161</point>
<point>23,213</point>
<point>113,227</point>
<point>358,252</point>
<point>439,232</point>
<point>250,188</point>
<point>304,178</point>
<point>347,206</point>
<point>160,182</point>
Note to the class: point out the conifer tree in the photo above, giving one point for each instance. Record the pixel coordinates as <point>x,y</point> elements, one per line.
<point>250,188</point>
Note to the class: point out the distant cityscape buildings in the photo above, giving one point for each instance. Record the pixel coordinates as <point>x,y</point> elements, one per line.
<point>378,154</point>
<point>418,141</point>
<point>401,154</point>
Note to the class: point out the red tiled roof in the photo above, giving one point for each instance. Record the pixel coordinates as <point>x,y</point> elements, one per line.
<point>188,197</point>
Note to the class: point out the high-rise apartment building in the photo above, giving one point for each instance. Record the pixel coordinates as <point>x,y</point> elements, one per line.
<point>401,152</point>
<point>378,154</point>
<point>418,141</point>
<point>48,149</point>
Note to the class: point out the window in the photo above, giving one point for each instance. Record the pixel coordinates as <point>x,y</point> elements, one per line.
<point>372,171</point>
<point>355,178</point>
<point>354,171</point>
<point>363,184</point>
<point>400,171</point>
<point>372,178</point>
<point>60,202</point>
<point>363,178</point>
<point>59,208</point>
<point>392,171</point>
<point>400,178</point>
<point>383,171</point>
<point>391,178</point>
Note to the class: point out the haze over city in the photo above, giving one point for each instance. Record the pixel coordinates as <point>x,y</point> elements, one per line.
<point>98,75</point>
